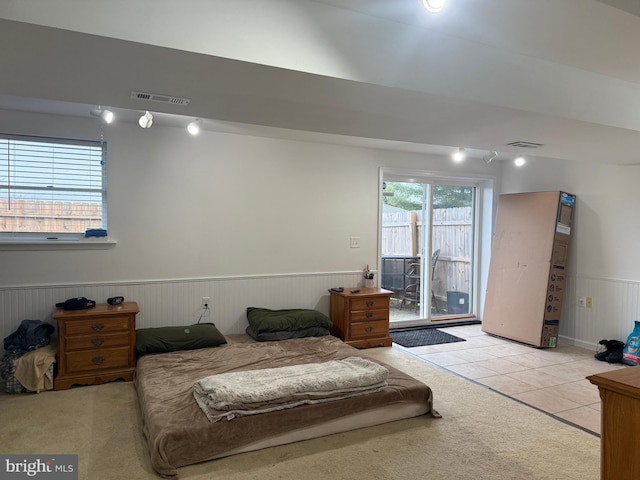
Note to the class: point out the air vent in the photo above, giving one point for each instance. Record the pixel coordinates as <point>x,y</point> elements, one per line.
<point>522,144</point>
<point>154,97</point>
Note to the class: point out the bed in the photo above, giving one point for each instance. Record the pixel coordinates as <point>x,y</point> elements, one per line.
<point>178,432</point>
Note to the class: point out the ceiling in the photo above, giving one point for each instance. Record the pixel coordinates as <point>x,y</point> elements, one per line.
<point>480,75</point>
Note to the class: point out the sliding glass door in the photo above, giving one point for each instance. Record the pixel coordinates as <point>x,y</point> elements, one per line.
<point>428,237</point>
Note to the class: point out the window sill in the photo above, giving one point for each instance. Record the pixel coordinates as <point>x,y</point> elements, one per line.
<point>56,244</point>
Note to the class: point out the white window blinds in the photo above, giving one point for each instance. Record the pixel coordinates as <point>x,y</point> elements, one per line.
<point>51,185</point>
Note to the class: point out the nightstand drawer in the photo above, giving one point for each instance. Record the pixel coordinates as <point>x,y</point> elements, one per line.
<point>97,359</point>
<point>97,325</point>
<point>365,303</point>
<point>369,315</point>
<point>97,341</point>
<point>369,329</point>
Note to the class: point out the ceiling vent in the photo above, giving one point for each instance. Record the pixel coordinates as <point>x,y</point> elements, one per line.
<point>522,144</point>
<point>154,97</point>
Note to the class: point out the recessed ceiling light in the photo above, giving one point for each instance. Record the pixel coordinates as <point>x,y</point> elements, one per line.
<point>519,161</point>
<point>434,6</point>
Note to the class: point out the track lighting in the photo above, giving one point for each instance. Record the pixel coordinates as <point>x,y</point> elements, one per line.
<point>459,155</point>
<point>434,6</point>
<point>519,161</point>
<point>106,115</point>
<point>146,120</point>
<point>194,127</point>
<point>489,157</point>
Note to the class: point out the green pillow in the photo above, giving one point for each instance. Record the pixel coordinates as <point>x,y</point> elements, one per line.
<point>265,320</point>
<point>171,339</point>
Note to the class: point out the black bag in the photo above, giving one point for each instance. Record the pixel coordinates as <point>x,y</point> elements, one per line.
<point>31,334</point>
<point>78,303</point>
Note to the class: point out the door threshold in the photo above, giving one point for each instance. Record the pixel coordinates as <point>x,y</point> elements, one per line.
<point>459,323</point>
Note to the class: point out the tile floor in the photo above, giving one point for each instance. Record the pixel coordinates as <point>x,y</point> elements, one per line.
<point>551,380</point>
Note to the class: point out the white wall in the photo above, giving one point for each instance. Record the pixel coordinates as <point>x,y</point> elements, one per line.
<point>200,216</point>
<point>266,222</point>
<point>604,259</point>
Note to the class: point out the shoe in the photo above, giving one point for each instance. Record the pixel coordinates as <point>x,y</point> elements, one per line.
<point>612,352</point>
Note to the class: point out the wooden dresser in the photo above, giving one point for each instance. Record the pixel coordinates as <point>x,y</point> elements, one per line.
<point>96,345</point>
<point>361,319</point>
<point>620,423</point>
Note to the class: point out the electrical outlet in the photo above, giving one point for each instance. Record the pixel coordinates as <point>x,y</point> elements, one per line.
<point>206,302</point>
<point>588,302</point>
<point>354,242</point>
<point>582,301</point>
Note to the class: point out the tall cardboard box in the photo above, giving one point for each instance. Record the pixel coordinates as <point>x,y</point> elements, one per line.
<point>528,269</point>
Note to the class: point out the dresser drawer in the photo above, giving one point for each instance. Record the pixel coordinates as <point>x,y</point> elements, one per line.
<point>371,329</point>
<point>98,359</point>
<point>97,325</point>
<point>369,315</point>
<point>365,303</point>
<point>107,340</point>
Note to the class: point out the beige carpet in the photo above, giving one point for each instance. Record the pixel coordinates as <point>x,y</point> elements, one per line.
<point>481,435</point>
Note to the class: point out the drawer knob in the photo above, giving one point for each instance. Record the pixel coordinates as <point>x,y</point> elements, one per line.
<point>97,341</point>
<point>97,360</point>
<point>369,314</point>
<point>96,327</point>
<point>369,304</point>
<point>368,329</point>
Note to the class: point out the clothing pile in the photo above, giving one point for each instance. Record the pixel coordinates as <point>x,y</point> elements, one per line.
<point>27,365</point>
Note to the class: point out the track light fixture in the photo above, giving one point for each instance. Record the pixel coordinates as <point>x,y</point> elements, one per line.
<point>194,127</point>
<point>146,120</point>
<point>434,6</point>
<point>459,155</point>
<point>519,161</point>
<point>106,115</point>
<point>489,157</point>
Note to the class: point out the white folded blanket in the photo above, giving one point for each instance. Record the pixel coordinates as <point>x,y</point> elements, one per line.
<point>249,392</point>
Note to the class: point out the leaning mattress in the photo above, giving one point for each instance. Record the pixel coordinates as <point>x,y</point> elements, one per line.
<point>178,432</point>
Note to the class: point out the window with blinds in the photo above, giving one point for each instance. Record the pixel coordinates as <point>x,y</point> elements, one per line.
<point>51,186</point>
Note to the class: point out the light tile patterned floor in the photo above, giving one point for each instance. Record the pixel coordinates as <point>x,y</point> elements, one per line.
<point>552,380</point>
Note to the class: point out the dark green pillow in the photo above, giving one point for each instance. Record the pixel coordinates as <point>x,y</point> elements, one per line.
<point>171,339</point>
<point>265,320</point>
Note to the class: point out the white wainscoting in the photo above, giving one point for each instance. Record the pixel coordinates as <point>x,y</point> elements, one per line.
<point>177,302</point>
<point>616,306</point>
<point>616,303</point>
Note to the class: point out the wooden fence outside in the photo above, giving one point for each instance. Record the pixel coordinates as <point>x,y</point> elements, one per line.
<point>55,217</point>
<point>452,234</point>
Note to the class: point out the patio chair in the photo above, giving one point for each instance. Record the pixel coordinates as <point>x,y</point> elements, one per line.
<point>434,260</point>
<point>411,292</point>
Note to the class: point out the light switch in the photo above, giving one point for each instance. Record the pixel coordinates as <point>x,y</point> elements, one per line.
<point>355,242</point>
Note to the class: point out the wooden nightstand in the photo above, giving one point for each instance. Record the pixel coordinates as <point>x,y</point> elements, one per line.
<point>361,319</point>
<point>96,345</point>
